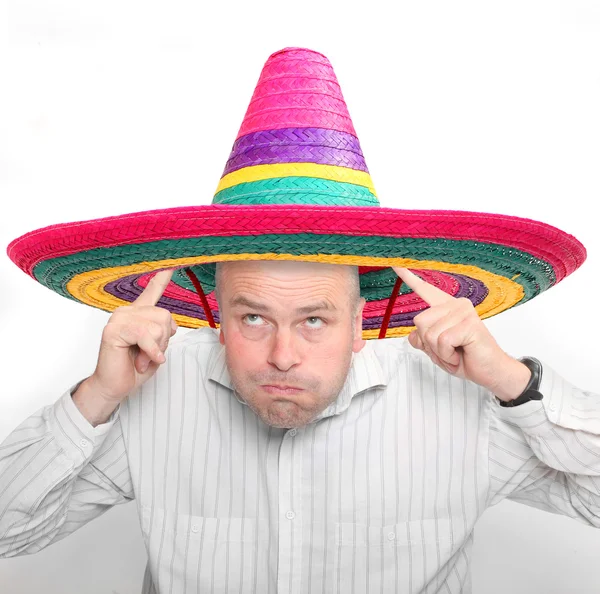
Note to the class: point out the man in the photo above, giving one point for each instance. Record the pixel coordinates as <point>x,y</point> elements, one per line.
<point>282,452</point>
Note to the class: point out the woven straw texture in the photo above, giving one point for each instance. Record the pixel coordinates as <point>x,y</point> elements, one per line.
<point>296,187</point>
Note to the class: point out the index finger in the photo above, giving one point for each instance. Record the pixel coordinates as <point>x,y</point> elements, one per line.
<point>155,288</point>
<point>430,294</point>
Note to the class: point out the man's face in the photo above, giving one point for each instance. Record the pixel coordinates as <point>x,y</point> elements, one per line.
<point>289,330</point>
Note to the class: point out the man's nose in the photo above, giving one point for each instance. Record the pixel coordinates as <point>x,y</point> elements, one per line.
<point>284,354</point>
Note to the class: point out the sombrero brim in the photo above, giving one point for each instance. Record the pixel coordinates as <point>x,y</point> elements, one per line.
<point>496,261</point>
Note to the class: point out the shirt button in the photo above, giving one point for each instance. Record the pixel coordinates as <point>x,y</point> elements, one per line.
<point>290,515</point>
<point>83,443</point>
<point>194,528</point>
<point>293,432</point>
<point>552,407</point>
<point>391,536</point>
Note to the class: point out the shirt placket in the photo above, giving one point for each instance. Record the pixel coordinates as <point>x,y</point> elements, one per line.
<point>290,514</point>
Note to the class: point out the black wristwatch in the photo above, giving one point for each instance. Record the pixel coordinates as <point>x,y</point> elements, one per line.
<point>531,391</point>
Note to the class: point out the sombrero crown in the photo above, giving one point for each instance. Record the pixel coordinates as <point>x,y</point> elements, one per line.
<point>297,144</point>
<point>296,187</point>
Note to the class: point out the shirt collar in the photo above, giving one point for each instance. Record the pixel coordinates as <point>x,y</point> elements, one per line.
<point>217,367</point>
<point>365,373</point>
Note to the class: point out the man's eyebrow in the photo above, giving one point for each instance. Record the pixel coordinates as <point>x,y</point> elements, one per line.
<point>243,301</point>
<point>320,305</point>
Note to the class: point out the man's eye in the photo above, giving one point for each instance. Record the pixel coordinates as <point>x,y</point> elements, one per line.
<point>253,320</point>
<point>315,323</point>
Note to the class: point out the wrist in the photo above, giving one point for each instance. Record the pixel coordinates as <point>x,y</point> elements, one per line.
<point>91,404</point>
<point>513,382</point>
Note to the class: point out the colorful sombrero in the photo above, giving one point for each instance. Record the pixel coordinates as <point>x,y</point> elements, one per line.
<point>296,187</point>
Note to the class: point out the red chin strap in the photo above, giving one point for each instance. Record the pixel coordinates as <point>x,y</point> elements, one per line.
<point>390,306</point>
<point>203,299</point>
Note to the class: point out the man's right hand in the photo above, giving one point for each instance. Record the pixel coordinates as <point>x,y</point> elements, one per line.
<point>133,345</point>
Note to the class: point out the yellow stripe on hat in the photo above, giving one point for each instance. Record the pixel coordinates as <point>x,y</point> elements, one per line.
<point>331,172</point>
<point>88,287</point>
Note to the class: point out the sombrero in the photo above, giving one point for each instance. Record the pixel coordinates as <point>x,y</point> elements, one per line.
<point>296,187</point>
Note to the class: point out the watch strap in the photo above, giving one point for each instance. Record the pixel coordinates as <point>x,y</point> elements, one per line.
<point>531,391</point>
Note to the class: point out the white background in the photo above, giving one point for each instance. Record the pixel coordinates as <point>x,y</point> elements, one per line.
<point>114,107</point>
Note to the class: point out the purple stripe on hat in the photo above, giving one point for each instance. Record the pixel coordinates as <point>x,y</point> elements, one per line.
<point>469,287</point>
<point>297,145</point>
<point>296,154</point>
<point>128,289</point>
<point>315,136</point>
<point>395,321</point>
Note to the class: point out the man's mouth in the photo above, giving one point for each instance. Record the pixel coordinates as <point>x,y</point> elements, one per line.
<point>281,389</point>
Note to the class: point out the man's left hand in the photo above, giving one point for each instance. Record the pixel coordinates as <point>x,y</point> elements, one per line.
<point>456,339</point>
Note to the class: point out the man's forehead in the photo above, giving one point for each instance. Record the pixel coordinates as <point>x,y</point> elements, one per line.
<point>310,285</point>
<point>283,267</point>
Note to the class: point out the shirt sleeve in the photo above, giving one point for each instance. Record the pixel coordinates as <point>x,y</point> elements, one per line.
<point>58,472</point>
<point>546,453</point>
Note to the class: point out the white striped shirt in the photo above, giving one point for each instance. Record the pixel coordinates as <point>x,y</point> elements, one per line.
<point>381,493</point>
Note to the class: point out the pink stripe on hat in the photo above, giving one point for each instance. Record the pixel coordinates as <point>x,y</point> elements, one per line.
<point>279,101</point>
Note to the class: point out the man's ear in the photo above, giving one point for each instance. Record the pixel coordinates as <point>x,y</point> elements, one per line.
<point>358,342</point>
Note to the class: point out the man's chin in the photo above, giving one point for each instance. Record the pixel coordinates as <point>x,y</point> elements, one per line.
<point>281,417</point>
<point>286,421</point>
<point>280,424</point>
<point>283,412</point>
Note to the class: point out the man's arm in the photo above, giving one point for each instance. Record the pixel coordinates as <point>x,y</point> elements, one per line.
<point>546,453</point>
<point>58,472</point>
<point>67,464</point>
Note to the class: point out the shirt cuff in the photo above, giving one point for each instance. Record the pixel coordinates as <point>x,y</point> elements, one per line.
<point>78,438</point>
<point>562,404</point>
